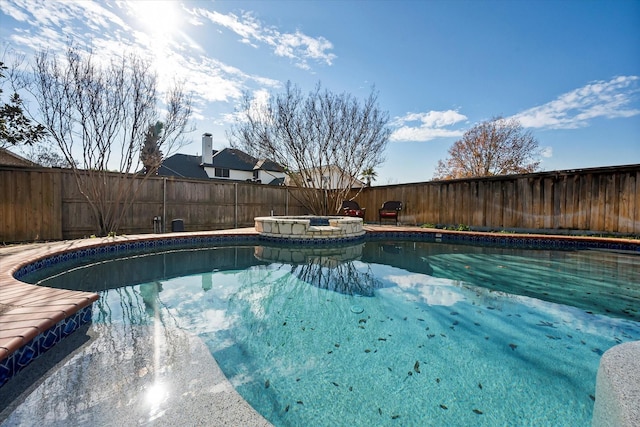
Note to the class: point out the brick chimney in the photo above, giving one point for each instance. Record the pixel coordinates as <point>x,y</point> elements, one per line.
<point>207,149</point>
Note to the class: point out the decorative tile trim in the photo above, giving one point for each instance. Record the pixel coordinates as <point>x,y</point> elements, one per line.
<point>44,341</point>
<point>110,249</point>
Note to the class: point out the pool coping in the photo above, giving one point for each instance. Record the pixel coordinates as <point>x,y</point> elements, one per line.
<point>34,318</point>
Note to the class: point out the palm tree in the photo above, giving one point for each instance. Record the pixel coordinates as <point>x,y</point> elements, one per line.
<point>369,175</point>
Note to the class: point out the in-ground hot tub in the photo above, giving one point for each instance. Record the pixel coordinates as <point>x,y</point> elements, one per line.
<point>309,228</point>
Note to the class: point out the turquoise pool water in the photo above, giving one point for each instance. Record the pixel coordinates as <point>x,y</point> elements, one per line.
<point>388,333</point>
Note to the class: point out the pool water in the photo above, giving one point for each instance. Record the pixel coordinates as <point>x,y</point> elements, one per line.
<point>388,333</point>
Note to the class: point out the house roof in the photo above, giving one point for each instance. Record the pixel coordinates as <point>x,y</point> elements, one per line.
<point>184,166</point>
<point>188,166</point>
<point>12,159</point>
<point>231,158</point>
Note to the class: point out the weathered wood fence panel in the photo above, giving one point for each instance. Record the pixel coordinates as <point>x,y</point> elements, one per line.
<point>45,204</point>
<point>601,200</point>
<point>30,205</point>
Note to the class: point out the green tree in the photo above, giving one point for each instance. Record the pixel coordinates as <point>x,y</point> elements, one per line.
<point>151,155</point>
<point>15,127</point>
<point>369,175</point>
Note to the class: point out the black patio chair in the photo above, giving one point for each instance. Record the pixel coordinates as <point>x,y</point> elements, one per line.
<point>351,208</point>
<point>389,210</point>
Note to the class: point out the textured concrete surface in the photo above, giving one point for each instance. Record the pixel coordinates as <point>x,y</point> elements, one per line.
<point>123,375</point>
<point>618,387</point>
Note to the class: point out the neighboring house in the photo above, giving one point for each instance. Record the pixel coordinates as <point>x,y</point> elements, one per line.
<point>7,158</point>
<point>228,163</point>
<point>330,178</point>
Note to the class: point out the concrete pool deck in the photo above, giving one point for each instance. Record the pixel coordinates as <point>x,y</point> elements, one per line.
<point>27,311</point>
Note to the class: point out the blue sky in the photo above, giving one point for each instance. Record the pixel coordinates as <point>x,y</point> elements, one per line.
<point>568,70</point>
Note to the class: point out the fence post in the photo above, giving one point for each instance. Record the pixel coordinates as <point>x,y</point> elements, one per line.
<point>164,205</point>
<point>235,213</point>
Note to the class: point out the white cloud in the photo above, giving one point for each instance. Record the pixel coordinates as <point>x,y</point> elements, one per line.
<point>608,99</point>
<point>427,126</point>
<point>103,29</point>
<point>296,46</point>
<point>546,152</point>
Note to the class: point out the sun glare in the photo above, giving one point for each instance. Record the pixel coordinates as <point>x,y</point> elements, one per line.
<point>158,17</point>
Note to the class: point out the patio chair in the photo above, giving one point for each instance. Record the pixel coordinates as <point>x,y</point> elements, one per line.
<point>351,208</point>
<point>389,210</point>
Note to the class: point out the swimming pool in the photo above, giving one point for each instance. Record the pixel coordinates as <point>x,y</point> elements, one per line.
<point>389,331</point>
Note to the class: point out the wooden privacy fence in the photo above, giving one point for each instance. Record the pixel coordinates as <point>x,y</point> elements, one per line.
<point>601,200</point>
<point>45,204</point>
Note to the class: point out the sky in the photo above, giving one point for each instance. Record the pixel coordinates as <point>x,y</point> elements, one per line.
<point>568,70</point>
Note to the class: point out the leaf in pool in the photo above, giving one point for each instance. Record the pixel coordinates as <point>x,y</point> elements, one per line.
<point>443,335</point>
<point>431,336</point>
<point>454,313</point>
<point>350,388</point>
<point>552,337</point>
<point>267,384</point>
<point>476,323</point>
<point>455,323</point>
<point>335,383</point>
<point>480,386</point>
<point>395,417</point>
<point>382,339</point>
<point>421,320</point>
<point>284,323</point>
<point>300,402</point>
<point>337,345</point>
<point>545,323</point>
<point>416,367</point>
<point>366,350</point>
<point>592,397</point>
<point>438,380</point>
<point>362,321</point>
<point>513,346</point>
<point>477,411</point>
<point>443,406</point>
<point>380,411</point>
<point>286,409</point>
<point>409,373</point>
<point>597,351</point>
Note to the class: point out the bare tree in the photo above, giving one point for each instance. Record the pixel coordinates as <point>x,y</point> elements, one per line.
<point>45,154</point>
<point>495,147</point>
<point>102,112</point>
<point>322,140</point>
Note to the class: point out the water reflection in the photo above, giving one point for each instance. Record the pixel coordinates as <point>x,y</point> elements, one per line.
<point>601,282</point>
<point>330,268</point>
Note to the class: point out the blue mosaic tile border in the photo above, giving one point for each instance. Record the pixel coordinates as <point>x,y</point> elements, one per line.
<point>109,249</point>
<point>520,242</point>
<point>17,361</point>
